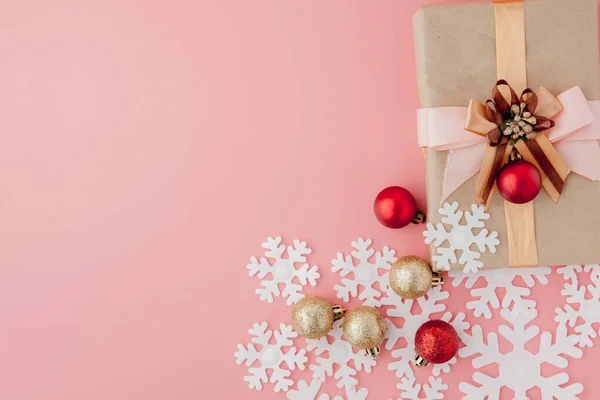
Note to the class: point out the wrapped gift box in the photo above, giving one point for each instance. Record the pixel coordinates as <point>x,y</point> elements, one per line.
<point>456,62</point>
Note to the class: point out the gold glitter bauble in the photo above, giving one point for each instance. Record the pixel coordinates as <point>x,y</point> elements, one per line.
<point>364,328</point>
<point>313,316</point>
<point>411,277</point>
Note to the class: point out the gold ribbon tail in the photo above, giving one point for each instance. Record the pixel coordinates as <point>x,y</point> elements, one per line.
<point>493,160</point>
<point>541,153</point>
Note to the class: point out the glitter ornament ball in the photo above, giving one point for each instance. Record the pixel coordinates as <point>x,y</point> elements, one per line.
<point>364,328</point>
<point>519,182</point>
<point>395,207</point>
<point>436,342</point>
<point>313,316</point>
<point>411,277</point>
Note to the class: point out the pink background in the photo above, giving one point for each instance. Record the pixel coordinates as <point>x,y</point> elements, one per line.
<point>149,147</point>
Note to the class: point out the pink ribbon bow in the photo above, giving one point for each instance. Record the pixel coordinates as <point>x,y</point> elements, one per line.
<point>575,136</point>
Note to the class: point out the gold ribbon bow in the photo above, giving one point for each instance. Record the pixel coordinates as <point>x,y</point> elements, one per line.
<point>512,122</point>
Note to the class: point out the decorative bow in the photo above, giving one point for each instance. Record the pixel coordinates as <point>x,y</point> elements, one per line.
<point>571,144</point>
<point>515,122</point>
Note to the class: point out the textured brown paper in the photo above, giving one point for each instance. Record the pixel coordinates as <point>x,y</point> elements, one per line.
<point>456,62</point>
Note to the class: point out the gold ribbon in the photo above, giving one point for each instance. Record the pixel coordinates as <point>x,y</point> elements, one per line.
<point>511,64</point>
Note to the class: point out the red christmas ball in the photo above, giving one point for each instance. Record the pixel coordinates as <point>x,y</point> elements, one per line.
<point>436,342</point>
<point>395,207</point>
<point>519,182</point>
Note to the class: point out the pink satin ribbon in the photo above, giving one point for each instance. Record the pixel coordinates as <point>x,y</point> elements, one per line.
<point>575,136</point>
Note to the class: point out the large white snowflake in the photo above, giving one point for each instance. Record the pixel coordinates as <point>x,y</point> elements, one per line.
<point>270,356</point>
<point>338,353</point>
<point>372,275</point>
<point>283,270</point>
<point>306,391</point>
<point>461,237</point>
<point>587,298</point>
<point>515,297</point>
<point>401,339</point>
<point>520,369</point>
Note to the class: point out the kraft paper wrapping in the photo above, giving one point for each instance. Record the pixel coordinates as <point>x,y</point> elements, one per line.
<point>456,62</point>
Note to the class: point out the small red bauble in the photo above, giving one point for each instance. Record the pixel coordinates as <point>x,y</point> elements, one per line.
<point>395,207</point>
<point>436,342</point>
<point>519,182</point>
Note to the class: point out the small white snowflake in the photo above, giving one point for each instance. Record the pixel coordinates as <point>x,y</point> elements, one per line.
<point>520,369</point>
<point>429,306</point>
<point>339,353</point>
<point>372,275</point>
<point>409,389</point>
<point>306,391</point>
<point>270,356</point>
<point>460,237</point>
<point>486,297</point>
<point>283,270</point>
<point>587,298</point>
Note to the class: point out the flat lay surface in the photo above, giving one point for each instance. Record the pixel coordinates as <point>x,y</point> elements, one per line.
<point>150,150</point>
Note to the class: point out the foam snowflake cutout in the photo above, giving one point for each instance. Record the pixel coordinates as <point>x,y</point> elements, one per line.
<point>520,369</point>
<point>515,297</point>
<point>401,339</point>
<point>586,317</point>
<point>286,271</point>
<point>270,356</point>
<point>409,389</point>
<point>338,353</point>
<point>306,391</point>
<point>461,237</point>
<point>372,275</point>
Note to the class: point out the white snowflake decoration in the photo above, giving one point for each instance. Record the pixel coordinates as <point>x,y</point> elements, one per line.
<point>587,315</point>
<point>372,275</point>
<point>460,237</point>
<point>339,353</point>
<point>283,270</point>
<point>520,369</point>
<point>409,389</point>
<point>515,298</point>
<point>306,391</point>
<point>270,356</point>
<point>429,305</point>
